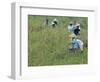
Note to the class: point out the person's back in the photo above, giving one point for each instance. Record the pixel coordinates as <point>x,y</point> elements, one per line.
<point>77,44</point>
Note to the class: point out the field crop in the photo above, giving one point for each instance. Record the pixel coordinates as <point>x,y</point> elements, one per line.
<point>47,45</point>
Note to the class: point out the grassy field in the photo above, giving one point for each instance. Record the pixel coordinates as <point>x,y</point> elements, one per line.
<point>48,46</point>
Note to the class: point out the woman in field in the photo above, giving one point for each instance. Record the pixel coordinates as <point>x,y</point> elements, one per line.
<point>76,44</point>
<point>54,23</point>
<point>74,27</point>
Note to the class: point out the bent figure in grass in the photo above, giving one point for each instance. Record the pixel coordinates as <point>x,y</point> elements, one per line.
<point>76,45</point>
<point>54,23</point>
<point>74,27</point>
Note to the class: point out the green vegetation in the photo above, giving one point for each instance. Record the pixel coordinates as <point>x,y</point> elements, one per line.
<point>48,45</point>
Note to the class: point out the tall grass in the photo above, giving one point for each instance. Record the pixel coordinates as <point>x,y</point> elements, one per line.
<point>48,46</point>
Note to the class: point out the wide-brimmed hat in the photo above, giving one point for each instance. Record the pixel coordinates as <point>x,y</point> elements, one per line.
<point>72,35</point>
